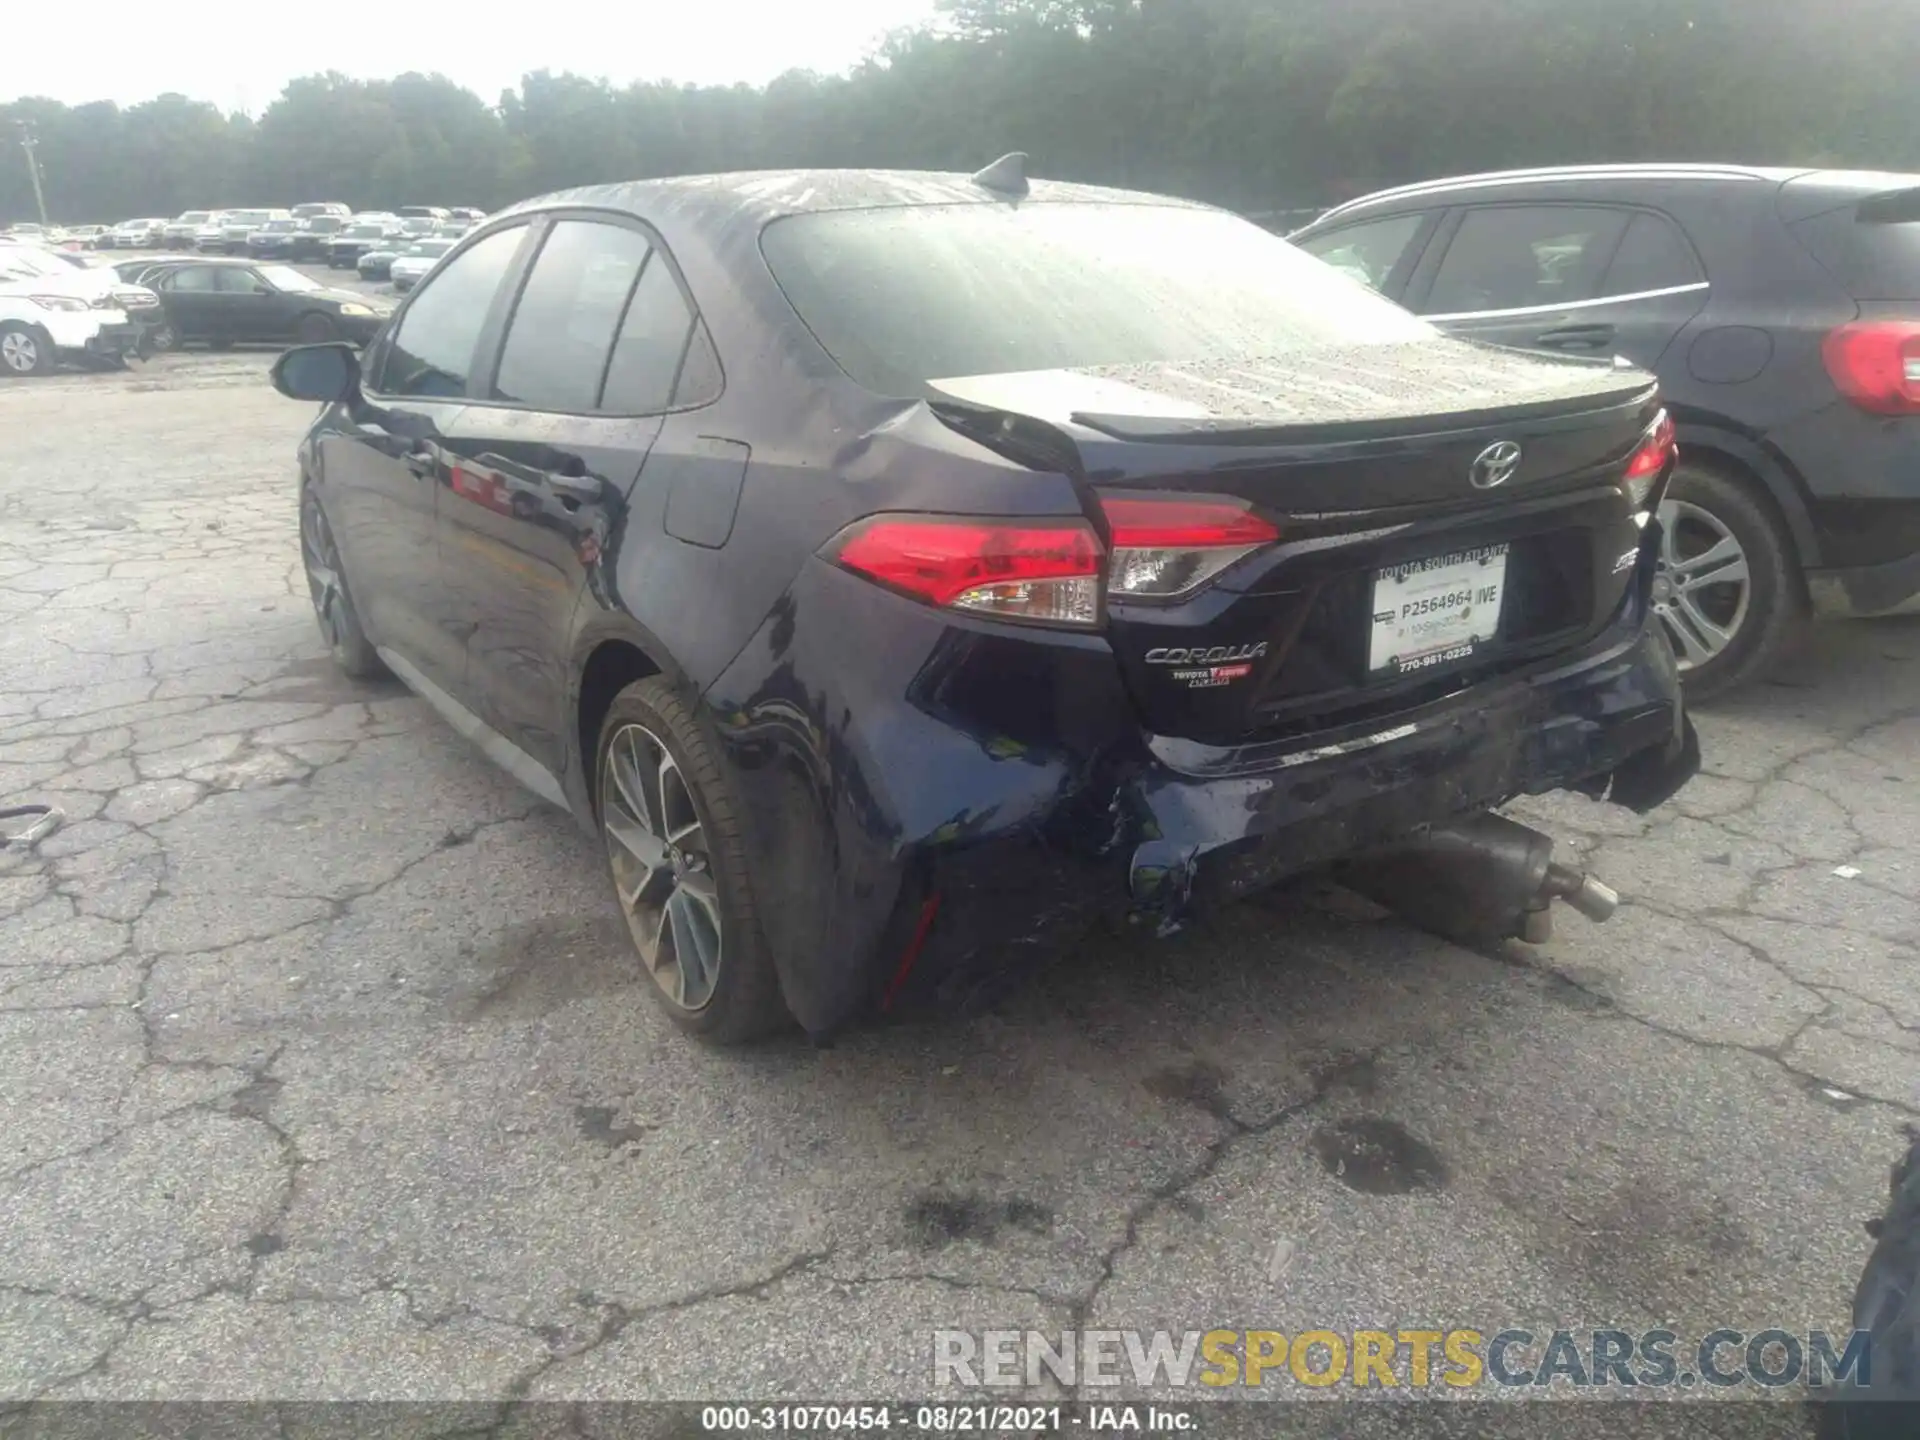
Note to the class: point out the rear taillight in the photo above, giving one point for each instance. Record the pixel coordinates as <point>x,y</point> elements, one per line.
<point>1035,570</point>
<point>1166,547</point>
<point>1876,365</point>
<point>1644,466</point>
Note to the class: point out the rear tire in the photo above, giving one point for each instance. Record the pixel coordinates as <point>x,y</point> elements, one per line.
<point>25,351</point>
<point>1887,1306</point>
<point>1729,593</point>
<point>333,606</point>
<point>679,868</point>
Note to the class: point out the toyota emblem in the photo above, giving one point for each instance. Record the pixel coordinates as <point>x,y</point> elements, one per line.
<point>1494,465</point>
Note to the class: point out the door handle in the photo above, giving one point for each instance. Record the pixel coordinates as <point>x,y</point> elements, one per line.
<point>572,491</point>
<point>1576,337</point>
<point>421,462</point>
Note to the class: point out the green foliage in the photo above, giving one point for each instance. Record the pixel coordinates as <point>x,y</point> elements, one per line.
<point>1251,103</point>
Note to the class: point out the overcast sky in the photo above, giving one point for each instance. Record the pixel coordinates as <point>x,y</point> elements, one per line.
<point>239,57</point>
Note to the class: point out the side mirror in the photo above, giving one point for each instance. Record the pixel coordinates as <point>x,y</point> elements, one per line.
<point>317,372</point>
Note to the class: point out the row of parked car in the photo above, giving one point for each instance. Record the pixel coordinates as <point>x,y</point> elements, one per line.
<point>303,232</point>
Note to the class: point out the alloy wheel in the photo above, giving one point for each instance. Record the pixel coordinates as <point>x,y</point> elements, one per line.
<point>1703,588</point>
<point>662,871</point>
<point>19,352</point>
<point>322,559</point>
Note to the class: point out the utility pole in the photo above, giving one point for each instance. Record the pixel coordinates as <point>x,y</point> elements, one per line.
<point>33,169</point>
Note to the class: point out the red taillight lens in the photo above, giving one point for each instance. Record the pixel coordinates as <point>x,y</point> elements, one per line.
<point>1046,571</point>
<point>1655,451</point>
<point>1876,365</point>
<point>1645,465</point>
<point>1166,547</point>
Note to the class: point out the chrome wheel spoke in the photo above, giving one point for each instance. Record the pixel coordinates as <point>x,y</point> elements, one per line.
<point>1697,638</point>
<point>1704,585</point>
<point>1669,528</point>
<point>641,844</point>
<point>695,925</point>
<point>1724,563</point>
<point>655,845</point>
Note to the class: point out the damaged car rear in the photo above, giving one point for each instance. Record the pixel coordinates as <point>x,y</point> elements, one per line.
<point>1005,555</point>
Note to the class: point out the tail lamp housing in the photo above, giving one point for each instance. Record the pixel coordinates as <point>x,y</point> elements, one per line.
<point>1051,571</point>
<point>1875,364</point>
<point>1043,571</point>
<point>1649,461</point>
<point>1167,547</point>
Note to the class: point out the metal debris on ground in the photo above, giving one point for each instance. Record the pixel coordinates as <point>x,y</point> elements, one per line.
<point>42,821</point>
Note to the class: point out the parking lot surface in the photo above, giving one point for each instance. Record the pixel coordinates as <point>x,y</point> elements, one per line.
<point>327,1072</point>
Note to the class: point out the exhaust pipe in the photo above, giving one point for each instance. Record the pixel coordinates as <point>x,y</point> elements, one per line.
<point>1483,880</point>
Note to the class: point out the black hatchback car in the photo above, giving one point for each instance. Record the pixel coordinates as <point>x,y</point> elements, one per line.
<point>897,570</point>
<point>1780,310</point>
<point>229,302</point>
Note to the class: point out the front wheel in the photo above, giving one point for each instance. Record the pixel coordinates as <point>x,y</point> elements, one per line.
<point>25,351</point>
<point>679,868</point>
<point>162,339</point>
<point>316,329</point>
<point>352,651</point>
<point>1728,592</point>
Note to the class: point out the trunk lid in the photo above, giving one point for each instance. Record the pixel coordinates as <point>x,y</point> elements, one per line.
<point>1372,464</point>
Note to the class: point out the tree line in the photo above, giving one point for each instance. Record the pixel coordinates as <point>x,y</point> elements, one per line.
<point>1254,104</point>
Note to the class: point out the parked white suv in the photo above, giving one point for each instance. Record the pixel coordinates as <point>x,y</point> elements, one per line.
<point>51,312</point>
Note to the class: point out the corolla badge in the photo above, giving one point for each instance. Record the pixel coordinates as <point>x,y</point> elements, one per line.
<point>1494,465</point>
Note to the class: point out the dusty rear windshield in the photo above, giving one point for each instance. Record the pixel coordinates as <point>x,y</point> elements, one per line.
<point>903,296</point>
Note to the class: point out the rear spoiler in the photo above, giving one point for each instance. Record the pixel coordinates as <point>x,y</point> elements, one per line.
<point>1893,207</point>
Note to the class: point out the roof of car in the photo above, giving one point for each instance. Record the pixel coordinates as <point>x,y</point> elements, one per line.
<point>1651,171</point>
<point>198,260</point>
<point>769,194</point>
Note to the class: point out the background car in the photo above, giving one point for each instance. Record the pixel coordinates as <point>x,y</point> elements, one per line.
<point>376,262</point>
<point>315,209</point>
<point>407,268</point>
<point>360,235</point>
<point>210,236</point>
<point>135,235</point>
<point>181,231</point>
<point>237,226</point>
<point>54,311</point>
<point>274,240</point>
<point>84,237</point>
<point>1781,311</point>
<point>315,234</point>
<point>224,303</point>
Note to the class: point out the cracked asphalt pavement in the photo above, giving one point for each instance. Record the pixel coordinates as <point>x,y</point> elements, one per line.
<point>326,1073</point>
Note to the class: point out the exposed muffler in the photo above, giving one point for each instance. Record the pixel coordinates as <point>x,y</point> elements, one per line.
<point>1482,880</point>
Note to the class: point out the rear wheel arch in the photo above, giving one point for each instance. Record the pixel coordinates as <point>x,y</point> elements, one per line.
<point>1707,446</point>
<point>610,666</point>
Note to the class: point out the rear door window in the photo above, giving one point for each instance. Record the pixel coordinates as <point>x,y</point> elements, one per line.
<point>653,338</point>
<point>1653,255</point>
<point>1519,257</point>
<point>563,327</point>
<point>192,280</point>
<point>1368,252</point>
